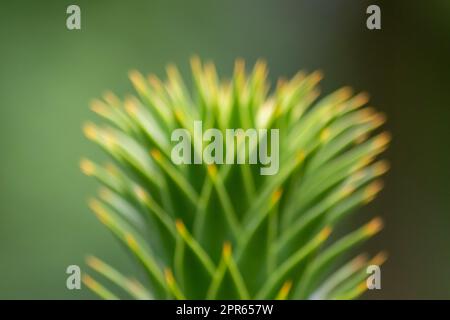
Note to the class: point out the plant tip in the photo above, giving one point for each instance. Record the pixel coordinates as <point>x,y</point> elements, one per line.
<point>87,167</point>
<point>374,226</point>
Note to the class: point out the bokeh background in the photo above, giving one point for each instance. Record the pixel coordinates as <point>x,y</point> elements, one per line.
<point>48,75</point>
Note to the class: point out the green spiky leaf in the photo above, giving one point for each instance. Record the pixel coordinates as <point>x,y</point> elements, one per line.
<point>223,231</point>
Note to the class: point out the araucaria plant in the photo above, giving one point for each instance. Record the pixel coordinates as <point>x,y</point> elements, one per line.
<point>223,230</point>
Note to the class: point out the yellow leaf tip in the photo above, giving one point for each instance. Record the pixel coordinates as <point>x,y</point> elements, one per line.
<point>181,228</point>
<point>90,131</point>
<point>277,195</point>
<point>93,262</point>
<point>360,260</point>
<point>227,250</point>
<point>366,114</point>
<point>110,97</point>
<point>178,115</point>
<point>130,107</point>
<point>374,226</point>
<point>362,287</point>
<point>382,167</point>
<point>285,289</point>
<point>156,154</point>
<point>325,134</point>
<point>301,155</point>
<point>98,107</point>
<point>154,81</point>
<point>372,190</point>
<point>87,167</point>
<point>379,119</point>
<point>317,75</point>
<point>362,98</point>
<point>140,193</point>
<point>131,241</point>
<point>137,79</point>
<point>133,73</point>
<point>382,140</point>
<point>345,92</point>
<point>239,64</point>
<point>379,259</point>
<point>89,281</point>
<point>325,233</point>
<point>212,170</point>
<point>168,275</point>
<point>349,188</point>
<point>171,69</point>
<point>99,211</point>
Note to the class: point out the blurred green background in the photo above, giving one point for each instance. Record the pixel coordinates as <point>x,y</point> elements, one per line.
<point>48,75</point>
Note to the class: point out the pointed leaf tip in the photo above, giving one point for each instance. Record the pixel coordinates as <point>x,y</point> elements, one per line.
<point>374,226</point>
<point>87,167</point>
